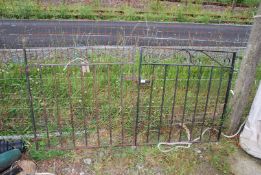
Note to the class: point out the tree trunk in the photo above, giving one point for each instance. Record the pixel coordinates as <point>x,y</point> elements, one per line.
<point>247,73</point>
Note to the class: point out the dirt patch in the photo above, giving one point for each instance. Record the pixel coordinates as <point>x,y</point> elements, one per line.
<point>63,166</point>
<point>205,168</point>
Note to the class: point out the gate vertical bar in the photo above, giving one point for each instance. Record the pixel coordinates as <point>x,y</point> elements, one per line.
<point>138,100</point>
<point>109,102</point>
<point>185,102</point>
<point>227,94</point>
<point>44,107</point>
<point>71,113</point>
<point>150,102</point>
<point>206,104</point>
<point>173,103</point>
<point>84,113</point>
<point>96,107</point>
<point>121,105</point>
<point>56,87</point>
<point>30,98</point>
<point>216,103</point>
<point>196,103</point>
<point>162,100</point>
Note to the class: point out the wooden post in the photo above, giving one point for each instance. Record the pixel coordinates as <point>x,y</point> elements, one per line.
<point>247,73</point>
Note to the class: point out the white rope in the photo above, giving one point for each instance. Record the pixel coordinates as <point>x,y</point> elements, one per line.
<point>257,16</point>
<point>65,67</point>
<point>175,145</point>
<point>187,144</point>
<point>234,135</point>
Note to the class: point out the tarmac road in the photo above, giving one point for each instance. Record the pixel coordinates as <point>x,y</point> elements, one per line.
<point>64,33</point>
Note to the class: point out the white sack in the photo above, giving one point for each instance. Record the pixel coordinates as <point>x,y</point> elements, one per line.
<point>250,138</point>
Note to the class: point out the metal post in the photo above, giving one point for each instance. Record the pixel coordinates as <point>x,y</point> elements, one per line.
<point>227,95</point>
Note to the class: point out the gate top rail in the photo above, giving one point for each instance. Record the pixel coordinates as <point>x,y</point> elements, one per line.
<point>183,56</point>
<point>188,49</point>
<point>59,55</point>
<point>184,65</point>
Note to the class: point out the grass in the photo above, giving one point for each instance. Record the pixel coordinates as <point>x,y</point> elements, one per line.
<point>149,161</point>
<point>212,159</point>
<point>155,11</point>
<point>39,155</point>
<point>218,156</point>
<point>244,2</point>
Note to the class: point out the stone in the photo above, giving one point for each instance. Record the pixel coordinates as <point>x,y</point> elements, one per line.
<point>87,161</point>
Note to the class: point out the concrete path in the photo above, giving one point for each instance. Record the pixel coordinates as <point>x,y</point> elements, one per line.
<point>244,164</point>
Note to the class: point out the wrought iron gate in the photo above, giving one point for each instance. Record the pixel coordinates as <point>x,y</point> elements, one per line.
<point>108,101</point>
<point>182,92</point>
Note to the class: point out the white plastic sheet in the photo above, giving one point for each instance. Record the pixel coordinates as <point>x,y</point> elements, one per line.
<point>250,138</point>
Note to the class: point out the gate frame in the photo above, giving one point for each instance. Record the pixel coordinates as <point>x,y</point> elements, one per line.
<point>134,142</point>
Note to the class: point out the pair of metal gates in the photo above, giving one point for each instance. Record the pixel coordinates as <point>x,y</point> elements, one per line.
<point>83,100</point>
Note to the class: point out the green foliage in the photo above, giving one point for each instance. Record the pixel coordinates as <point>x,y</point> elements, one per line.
<point>63,12</point>
<point>18,9</point>
<point>156,6</point>
<point>86,12</point>
<point>203,19</point>
<point>129,13</point>
<point>96,3</point>
<point>246,2</point>
<point>157,11</point>
<point>48,154</point>
<point>181,17</point>
<point>251,2</point>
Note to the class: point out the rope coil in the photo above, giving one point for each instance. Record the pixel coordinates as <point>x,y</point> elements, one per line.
<point>187,144</point>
